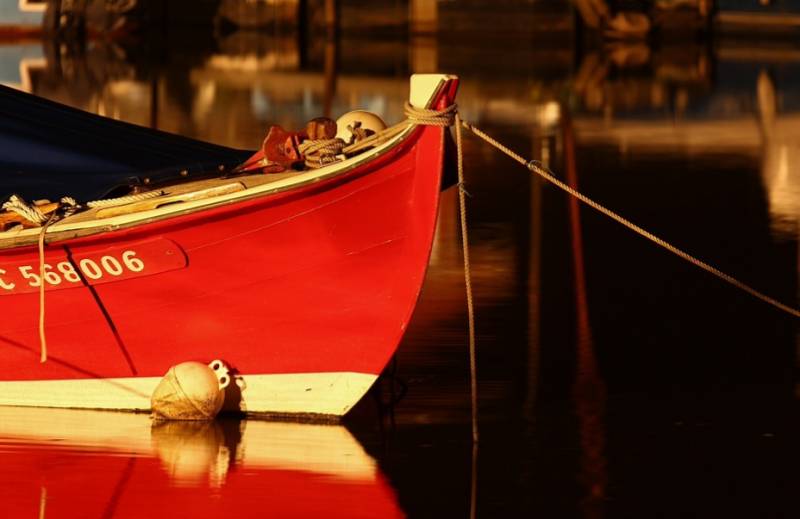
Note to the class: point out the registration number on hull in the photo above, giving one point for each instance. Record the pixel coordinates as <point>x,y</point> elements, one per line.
<point>63,269</point>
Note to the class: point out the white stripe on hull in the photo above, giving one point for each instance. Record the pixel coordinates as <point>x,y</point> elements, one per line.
<point>332,393</point>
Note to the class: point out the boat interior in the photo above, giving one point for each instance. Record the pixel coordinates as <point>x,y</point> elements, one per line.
<point>176,190</point>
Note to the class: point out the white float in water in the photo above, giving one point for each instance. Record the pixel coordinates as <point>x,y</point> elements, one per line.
<point>191,391</point>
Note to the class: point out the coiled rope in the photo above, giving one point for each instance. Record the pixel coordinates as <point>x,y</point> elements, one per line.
<point>122,200</point>
<point>321,152</point>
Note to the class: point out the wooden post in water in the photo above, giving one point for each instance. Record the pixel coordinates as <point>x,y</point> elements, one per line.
<point>540,151</point>
<point>331,53</point>
<point>423,16</point>
<point>331,17</point>
<point>154,101</point>
<point>423,24</point>
<point>302,33</point>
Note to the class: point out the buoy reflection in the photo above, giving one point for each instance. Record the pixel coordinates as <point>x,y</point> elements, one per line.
<point>66,463</point>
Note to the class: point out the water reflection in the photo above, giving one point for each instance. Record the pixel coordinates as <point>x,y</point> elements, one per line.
<point>609,371</point>
<point>227,90</point>
<point>721,100</point>
<point>66,463</point>
<point>590,391</point>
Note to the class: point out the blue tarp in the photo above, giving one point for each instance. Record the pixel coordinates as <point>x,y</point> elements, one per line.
<point>48,150</point>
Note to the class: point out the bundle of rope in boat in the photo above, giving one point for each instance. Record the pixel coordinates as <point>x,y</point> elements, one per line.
<point>322,152</point>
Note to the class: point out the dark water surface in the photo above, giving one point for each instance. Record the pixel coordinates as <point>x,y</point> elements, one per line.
<point>614,378</point>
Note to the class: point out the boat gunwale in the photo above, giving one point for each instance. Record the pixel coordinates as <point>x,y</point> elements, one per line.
<point>69,228</point>
<point>66,229</point>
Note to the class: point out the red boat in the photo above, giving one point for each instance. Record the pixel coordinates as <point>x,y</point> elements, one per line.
<point>136,468</point>
<point>303,282</point>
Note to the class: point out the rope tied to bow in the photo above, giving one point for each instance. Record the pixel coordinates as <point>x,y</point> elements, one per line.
<point>443,119</point>
<point>429,116</point>
<point>322,152</point>
<point>450,117</point>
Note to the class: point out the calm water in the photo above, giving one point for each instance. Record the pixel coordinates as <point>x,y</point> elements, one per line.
<point>615,379</point>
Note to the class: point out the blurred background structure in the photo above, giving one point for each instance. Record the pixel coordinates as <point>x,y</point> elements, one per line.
<point>725,73</point>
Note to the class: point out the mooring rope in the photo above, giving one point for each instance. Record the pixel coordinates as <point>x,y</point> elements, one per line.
<point>539,169</point>
<point>444,118</point>
<point>430,117</point>
<point>42,335</point>
<point>414,115</point>
<point>462,204</point>
<point>69,206</point>
<point>449,117</point>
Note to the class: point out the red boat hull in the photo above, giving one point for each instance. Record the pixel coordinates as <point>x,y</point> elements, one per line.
<point>311,284</point>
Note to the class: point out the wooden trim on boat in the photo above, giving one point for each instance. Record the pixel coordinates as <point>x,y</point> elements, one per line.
<point>321,394</point>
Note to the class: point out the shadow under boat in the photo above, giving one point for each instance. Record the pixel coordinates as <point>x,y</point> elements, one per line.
<point>71,463</point>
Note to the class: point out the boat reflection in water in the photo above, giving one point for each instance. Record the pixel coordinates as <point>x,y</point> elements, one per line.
<point>68,463</point>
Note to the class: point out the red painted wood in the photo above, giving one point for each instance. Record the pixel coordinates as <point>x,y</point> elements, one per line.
<point>91,266</point>
<point>322,278</point>
<point>82,483</point>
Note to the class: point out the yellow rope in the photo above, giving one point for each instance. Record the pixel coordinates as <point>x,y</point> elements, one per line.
<point>375,139</point>
<point>430,117</point>
<point>445,118</point>
<point>462,203</point>
<point>42,281</point>
<point>414,115</point>
<point>43,503</point>
<point>536,167</point>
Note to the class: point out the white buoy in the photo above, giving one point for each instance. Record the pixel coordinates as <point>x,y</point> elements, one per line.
<point>191,391</point>
<point>350,124</point>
